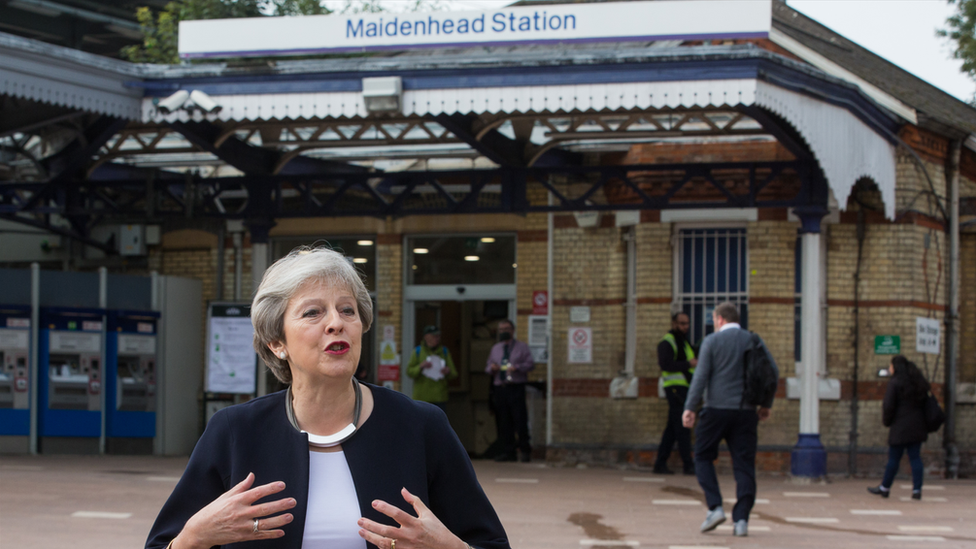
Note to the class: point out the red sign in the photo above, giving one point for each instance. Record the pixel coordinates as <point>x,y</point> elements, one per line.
<point>388,373</point>
<point>540,303</point>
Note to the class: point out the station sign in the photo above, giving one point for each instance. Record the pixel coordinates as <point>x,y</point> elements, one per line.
<point>887,345</point>
<point>521,25</point>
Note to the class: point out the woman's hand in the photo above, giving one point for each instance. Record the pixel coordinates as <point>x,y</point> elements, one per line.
<point>230,518</point>
<point>425,531</point>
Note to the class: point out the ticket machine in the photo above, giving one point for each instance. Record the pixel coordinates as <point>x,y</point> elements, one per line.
<point>15,371</point>
<point>70,350</point>
<point>130,375</point>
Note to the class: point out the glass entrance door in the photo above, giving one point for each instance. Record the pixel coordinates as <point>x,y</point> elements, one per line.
<point>464,284</point>
<point>468,331</point>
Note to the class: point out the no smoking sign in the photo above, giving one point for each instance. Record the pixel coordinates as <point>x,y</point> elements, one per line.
<point>540,303</point>
<point>580,348</point>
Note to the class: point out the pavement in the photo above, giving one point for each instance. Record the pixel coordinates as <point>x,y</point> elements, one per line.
<point>104,502</point>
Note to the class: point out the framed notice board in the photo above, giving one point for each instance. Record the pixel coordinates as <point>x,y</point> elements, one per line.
<point>231,360</point>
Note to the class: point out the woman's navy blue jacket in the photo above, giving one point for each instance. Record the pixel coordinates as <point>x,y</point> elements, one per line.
<point>403,443</point>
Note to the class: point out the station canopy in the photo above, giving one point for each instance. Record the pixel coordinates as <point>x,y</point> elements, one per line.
<point>85,139</point>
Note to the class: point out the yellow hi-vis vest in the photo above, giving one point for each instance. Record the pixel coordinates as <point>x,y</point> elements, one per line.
<point>677,379</point>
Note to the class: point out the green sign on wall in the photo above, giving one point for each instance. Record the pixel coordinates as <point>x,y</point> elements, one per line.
<point>887,345</point>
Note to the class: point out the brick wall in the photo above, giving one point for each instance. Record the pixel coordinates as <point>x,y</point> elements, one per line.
<point>901,279</point>
<point>389,284</point>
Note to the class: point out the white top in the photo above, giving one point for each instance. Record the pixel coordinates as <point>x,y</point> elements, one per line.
<point>729,326</point>
<point>333,507</point>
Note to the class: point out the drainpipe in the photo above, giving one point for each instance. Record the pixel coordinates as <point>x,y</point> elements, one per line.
<point>550,286</point>
<point>630,356</point>
<point>852,451</point>
<point>219,283</point>
<point>103,304</point>
<point>952,318</point>
<point>239,265</point>
<point>35,330</point>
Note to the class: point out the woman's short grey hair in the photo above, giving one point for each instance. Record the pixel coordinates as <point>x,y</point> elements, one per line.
<point>283,280</point>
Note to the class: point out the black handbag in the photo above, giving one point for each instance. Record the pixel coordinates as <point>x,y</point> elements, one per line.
<point>934,416</point>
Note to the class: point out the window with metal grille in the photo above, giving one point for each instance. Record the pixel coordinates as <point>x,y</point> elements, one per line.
<point>712,267</point>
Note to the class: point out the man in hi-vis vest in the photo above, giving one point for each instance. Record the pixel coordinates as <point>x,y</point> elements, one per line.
<point>676,357</point>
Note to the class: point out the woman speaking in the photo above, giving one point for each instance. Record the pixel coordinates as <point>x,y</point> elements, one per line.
<point>329,462</point>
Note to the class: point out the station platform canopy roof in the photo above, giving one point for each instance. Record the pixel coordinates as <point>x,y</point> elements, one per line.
<point>519,106</point>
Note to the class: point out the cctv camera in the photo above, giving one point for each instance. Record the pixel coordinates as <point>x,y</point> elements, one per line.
<point>204,102</point>
<point>173,102</point>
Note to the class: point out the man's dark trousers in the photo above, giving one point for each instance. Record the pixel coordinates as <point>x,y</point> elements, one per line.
<point>675,431</point>
<point>512,417</point>
<point>739,429</point>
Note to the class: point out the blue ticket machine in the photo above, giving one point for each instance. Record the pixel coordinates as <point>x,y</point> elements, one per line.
<point>15,374</point>
<point>71,376</point>
<point>130,376</point>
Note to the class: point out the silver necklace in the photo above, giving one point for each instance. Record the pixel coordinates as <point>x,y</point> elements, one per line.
<point>328,441</point>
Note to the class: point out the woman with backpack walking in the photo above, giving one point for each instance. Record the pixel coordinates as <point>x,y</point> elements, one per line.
<point>903,411</point>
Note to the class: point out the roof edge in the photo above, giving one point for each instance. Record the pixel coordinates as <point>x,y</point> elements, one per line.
<point>29,47</point>
<point>810,56</point>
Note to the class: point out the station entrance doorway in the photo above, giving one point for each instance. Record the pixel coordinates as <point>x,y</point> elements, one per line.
<point>468,331</point>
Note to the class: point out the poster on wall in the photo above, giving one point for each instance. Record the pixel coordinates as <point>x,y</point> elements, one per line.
<point>580,346</point>
<point>389,366</point>
<point>231,360</point>
<point>927,335</point>
<point>539,338</point>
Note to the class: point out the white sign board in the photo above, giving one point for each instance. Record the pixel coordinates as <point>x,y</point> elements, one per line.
<point>539,338</point>
<point>14,340</point>
<point>538,330</point>
<point>580,346</point>
<point>130,344</point>
<point>75,342</point>
<point>579,314</point>
<point>230,355</point>
<point>927,335</point>
<point>542,24</point>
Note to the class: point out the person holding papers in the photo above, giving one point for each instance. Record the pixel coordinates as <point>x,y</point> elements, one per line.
<point>431,368</point>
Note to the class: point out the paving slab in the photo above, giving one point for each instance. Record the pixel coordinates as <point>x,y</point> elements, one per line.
<point>94,502</point>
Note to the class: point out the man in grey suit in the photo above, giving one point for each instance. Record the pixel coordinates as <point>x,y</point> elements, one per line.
<point>720,376</point>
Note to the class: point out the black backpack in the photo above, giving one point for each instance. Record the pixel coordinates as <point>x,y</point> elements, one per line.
<point>759,376</point>
<point>934,416</point>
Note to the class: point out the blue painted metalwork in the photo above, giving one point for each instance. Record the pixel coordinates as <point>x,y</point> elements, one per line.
<point>808,458</point>
<point>261,199</point>
<point>67,422</point>
<point>15,375</point>
<point>810,216</point>
<point>122,420</point>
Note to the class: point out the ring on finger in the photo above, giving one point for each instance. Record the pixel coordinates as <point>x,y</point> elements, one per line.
<point>392,544</point>
<point>254,529</point>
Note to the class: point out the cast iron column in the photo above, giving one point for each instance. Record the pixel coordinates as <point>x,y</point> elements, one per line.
<point>809,459</point>
<point>259,263</point>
